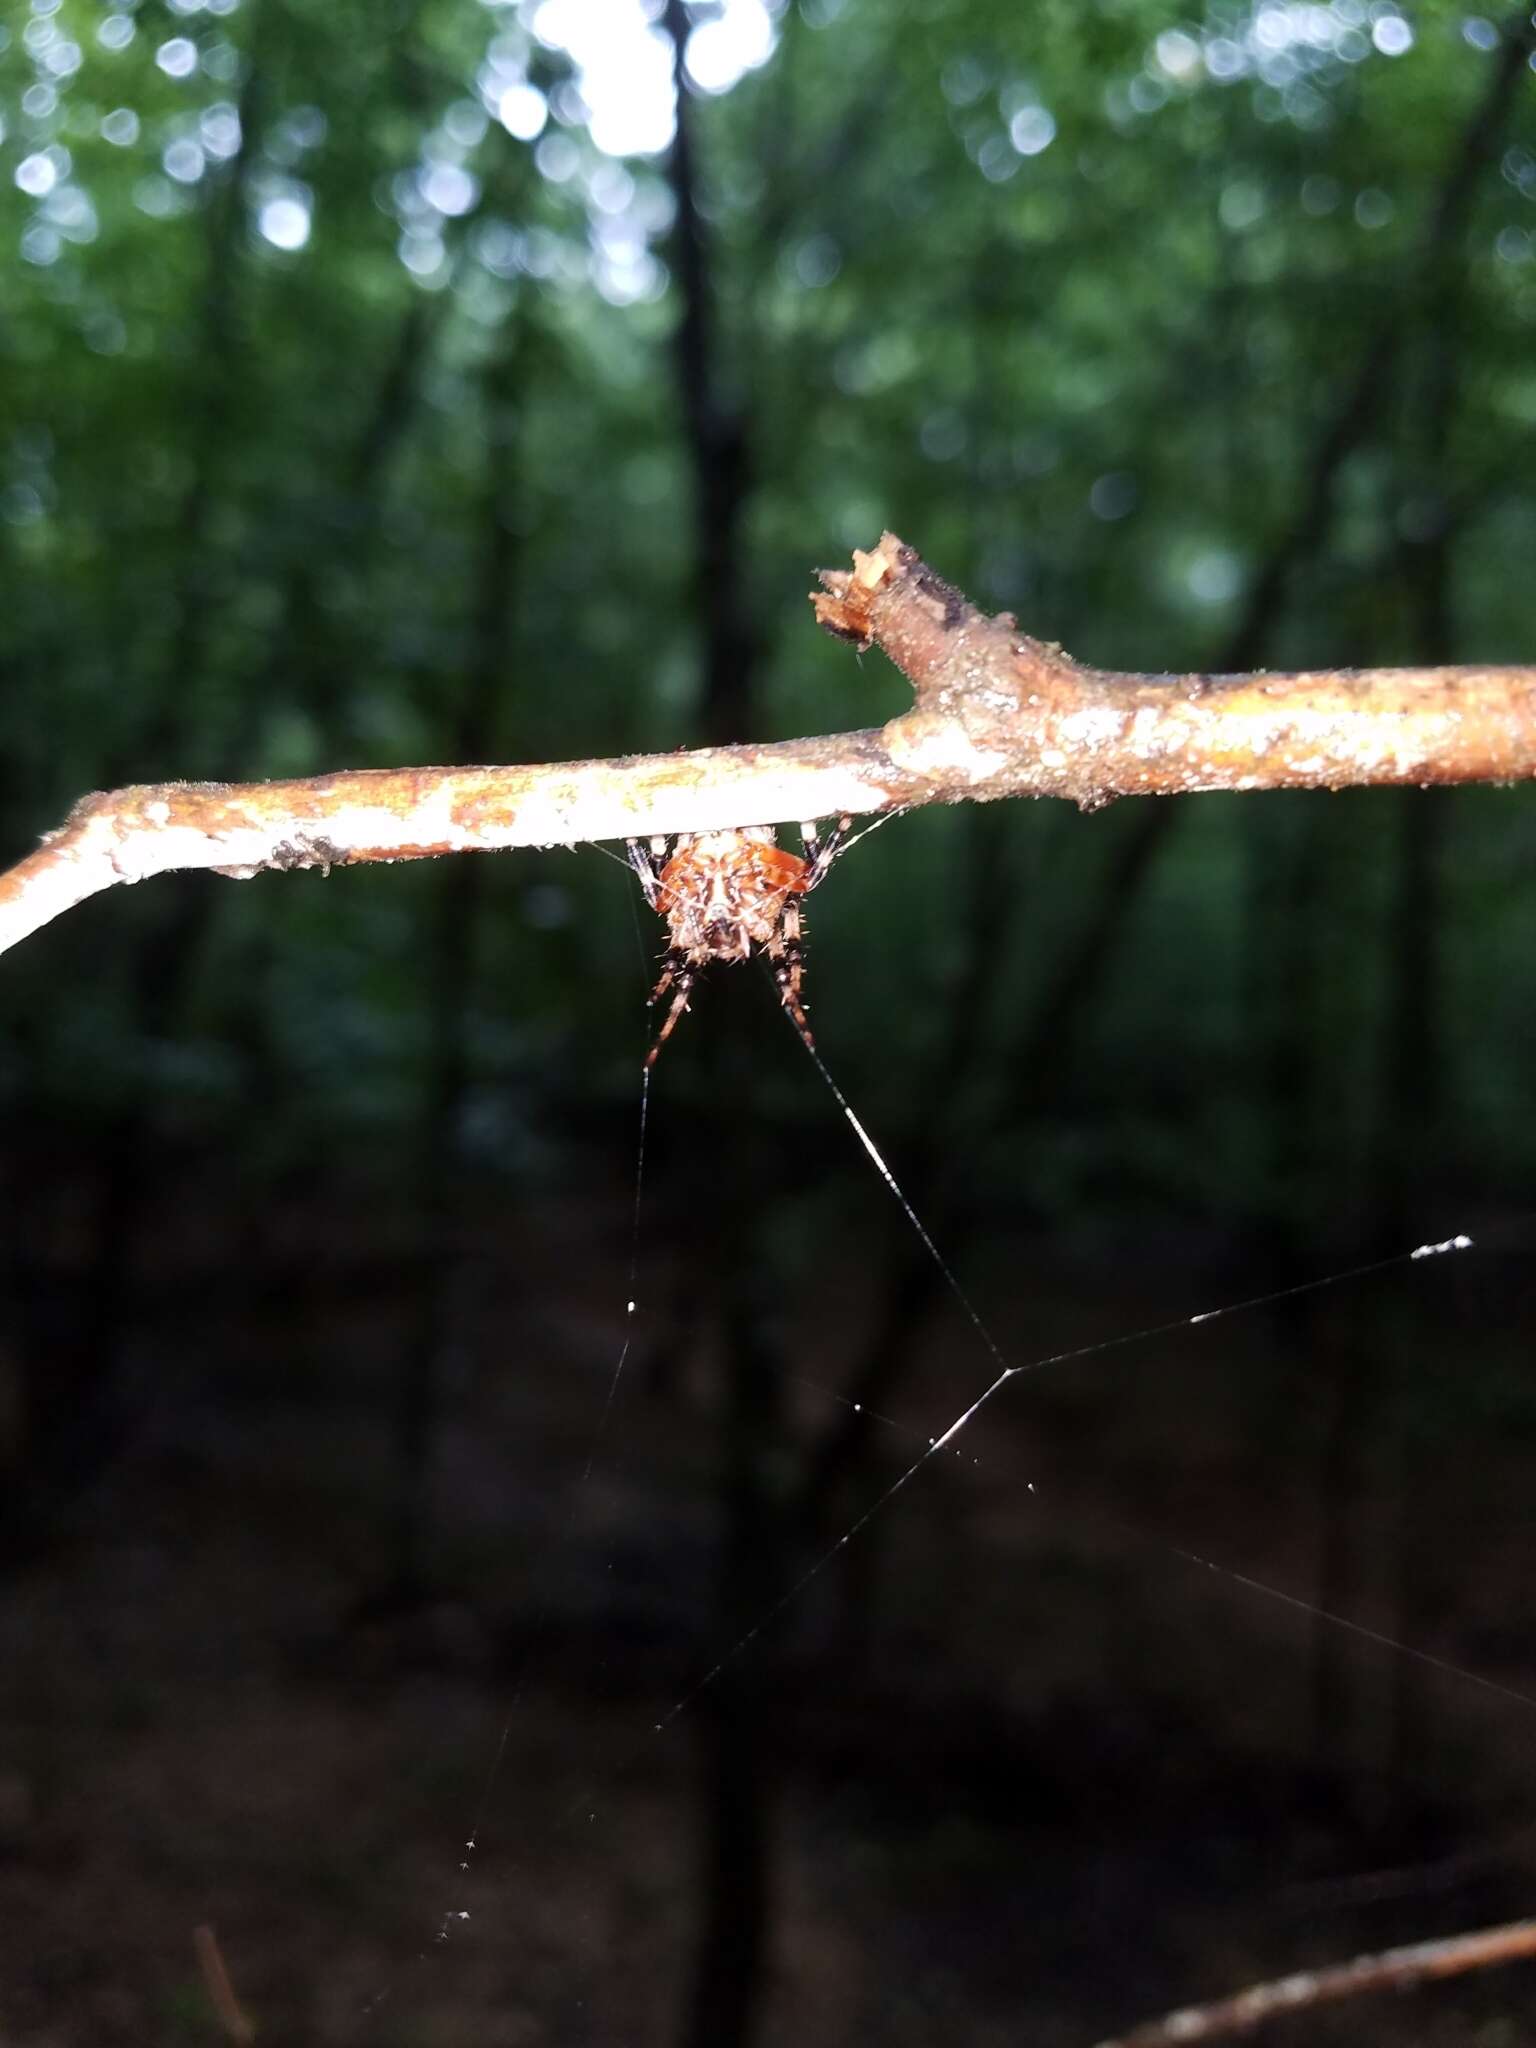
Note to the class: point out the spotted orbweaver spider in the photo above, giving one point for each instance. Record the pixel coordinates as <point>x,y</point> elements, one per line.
<point>722,893</point>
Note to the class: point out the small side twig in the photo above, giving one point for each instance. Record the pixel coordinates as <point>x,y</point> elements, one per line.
<point>221,1993</point>
<point>1001,714</point>
<point>1394,1969</point>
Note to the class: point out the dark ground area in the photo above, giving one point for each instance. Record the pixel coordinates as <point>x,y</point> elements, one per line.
<point>1033,1774</point>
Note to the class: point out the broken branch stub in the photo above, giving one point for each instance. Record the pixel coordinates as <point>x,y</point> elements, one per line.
<point>998,713</point>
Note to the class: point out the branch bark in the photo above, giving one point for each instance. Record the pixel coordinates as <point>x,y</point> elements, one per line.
<point>996,714</point>
<point>1395,1969</point>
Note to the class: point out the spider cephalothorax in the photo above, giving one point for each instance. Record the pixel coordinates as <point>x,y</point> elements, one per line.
<point>722,893</point>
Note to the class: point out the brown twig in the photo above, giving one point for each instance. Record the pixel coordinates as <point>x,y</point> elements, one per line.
<point>1395,1969</point>
<point>996,714</point>
<point>221,1993</point>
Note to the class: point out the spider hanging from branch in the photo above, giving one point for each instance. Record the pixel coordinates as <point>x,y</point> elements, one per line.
<point>722,893</point>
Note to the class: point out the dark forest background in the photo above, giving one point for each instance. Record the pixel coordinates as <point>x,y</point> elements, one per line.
<point>404,382</point>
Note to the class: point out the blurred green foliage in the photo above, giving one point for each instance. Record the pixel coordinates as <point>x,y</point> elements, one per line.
<point>339,425</point>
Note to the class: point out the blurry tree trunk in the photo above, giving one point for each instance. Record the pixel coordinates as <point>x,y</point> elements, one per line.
<point>736,1816</point>
<point>723,2000</point>
<point>708,390</point>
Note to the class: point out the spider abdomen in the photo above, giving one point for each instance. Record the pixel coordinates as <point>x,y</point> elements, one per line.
<point>724,893</point>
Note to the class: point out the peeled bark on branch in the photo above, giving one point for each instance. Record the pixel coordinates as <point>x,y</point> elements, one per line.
<point>996,714</point>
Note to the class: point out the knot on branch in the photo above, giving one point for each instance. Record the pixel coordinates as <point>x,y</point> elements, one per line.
<point>974,678</point>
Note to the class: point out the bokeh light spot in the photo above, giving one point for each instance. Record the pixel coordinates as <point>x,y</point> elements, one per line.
<point>284,221</point>
<point>36,175</point>
<point>40,243</point>
<point>63,58</point>
<point>1032,130</point>
<point>522,110</point>
<point>558,158</point>
<point>1113,495</point>
<point>1392,35</point>
<point>69,209</point>
<point>817,261</point>
<point>624,70</point>
<point>424,256</point>
<point>218,129</point>
<point>1177,54</point>
<point>183,160</point>
<point>159,198</point>
<point>1214,576</point>
<point>465,124</point>
<point>449,189</point>
<point>996,161</point>
<point>178,57</point>
<point>963,81</point>
<point>739,39</point>
<point>1241,205</point>
<point>105,334</point>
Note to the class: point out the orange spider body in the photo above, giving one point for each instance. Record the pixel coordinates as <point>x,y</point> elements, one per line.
<point>722,894</point>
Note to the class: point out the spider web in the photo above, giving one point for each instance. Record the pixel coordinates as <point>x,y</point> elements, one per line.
<point>923,1450</point>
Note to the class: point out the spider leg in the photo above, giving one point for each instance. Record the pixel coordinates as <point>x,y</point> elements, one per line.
<point>822,852</point>
<point>678,973</point>
<point>643,862</point>
<point>786,950</point>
